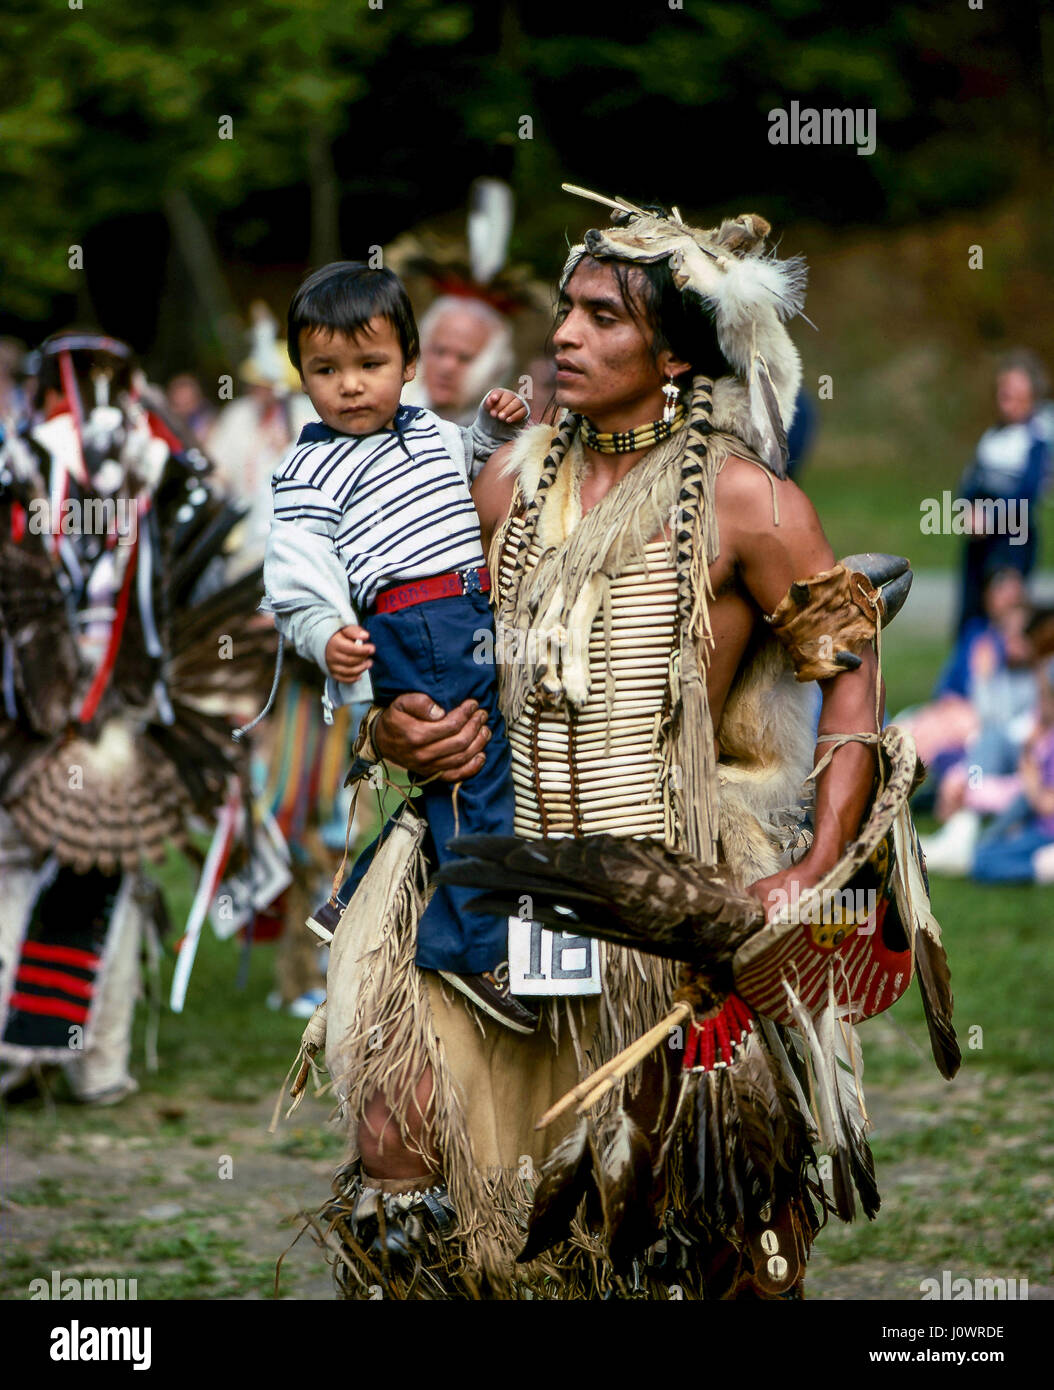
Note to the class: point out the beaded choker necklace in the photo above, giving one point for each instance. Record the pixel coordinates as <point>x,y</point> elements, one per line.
<point>630,441</point>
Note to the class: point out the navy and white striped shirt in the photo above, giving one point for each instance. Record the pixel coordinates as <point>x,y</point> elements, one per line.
<point>395,504</point>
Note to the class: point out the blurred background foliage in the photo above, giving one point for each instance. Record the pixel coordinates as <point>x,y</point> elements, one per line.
<point>351,124</point>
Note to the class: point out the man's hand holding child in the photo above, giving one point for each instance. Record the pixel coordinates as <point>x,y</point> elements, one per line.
<point>348,654</point>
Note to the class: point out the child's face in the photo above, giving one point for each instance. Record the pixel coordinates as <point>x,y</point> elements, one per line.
<point>355,383</point>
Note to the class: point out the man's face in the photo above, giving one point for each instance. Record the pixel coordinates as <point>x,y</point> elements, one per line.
<point>604,366</point>
<point>1013,397</point>
<point>355,383</point>
<point>454,343</point>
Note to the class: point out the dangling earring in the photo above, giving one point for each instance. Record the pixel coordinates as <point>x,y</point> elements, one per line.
<point>672,392</point>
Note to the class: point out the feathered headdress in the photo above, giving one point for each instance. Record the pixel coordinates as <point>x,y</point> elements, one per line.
<point>749,294</point>
<point>472,264</point>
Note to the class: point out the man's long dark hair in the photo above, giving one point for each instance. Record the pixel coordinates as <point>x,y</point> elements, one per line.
<point>678,321</point>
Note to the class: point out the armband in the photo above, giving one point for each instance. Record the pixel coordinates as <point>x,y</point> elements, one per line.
<point>825,622</point>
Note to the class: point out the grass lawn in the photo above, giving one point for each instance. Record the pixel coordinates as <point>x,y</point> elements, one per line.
<point>138,1192</point>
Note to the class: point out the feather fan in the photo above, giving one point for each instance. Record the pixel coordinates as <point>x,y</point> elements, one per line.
<point>636,893</point>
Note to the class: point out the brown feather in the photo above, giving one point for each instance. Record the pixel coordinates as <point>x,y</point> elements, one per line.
<point>122,806</point>
<point>633,892</point>
<point>934,977</point>
<point>565,1178</point>
<point>627,1187</point>
<point>762,1124</point>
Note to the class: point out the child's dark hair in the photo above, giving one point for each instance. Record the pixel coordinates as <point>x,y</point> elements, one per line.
<point>342,298</point>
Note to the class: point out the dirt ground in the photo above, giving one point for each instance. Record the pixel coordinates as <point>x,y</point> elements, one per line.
<point>137,1192</point>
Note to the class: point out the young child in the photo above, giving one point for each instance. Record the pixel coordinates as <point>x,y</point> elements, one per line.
<point>381,490</point>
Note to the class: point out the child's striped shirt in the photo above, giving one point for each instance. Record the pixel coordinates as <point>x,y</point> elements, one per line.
<point>395,504</point>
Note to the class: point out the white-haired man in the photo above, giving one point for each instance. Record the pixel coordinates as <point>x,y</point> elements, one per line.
<point>466,348</point>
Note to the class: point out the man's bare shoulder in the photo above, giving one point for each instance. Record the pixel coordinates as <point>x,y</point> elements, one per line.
<point>750,492</point>
<point>769,530</point>
<point>493,491</point>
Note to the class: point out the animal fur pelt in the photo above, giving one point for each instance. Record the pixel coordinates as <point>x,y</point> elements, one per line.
<point>749,294</point>
<point>765,742</point>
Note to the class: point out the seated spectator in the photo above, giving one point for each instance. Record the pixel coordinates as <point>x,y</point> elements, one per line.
<point>1019,846</point>
<point>977,778</point>
<point>973,676</point>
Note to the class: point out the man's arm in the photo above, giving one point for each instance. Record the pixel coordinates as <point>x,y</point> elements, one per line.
<point>492,493</point>
<point>769,558</point>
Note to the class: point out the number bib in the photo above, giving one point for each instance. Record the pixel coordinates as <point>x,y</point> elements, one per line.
<point>551,963</point>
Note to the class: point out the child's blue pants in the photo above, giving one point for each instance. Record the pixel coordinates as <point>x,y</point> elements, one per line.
<point>445,649</point>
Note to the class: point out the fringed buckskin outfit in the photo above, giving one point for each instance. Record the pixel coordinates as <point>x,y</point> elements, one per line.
<point>689,1181</point>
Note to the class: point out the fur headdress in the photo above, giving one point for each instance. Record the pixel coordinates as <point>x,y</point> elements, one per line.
<point>748,292</point>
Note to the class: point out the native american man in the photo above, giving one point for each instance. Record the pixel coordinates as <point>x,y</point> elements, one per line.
<point>647,554</point>
<point>115,704</point>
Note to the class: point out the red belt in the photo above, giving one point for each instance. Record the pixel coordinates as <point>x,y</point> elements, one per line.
<point>438,586</point>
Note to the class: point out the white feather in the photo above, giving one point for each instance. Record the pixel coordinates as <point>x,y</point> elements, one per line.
<point>738,285</point>
<point>489,228</point>
<point>619,204</point>
<point>790,1076</point>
